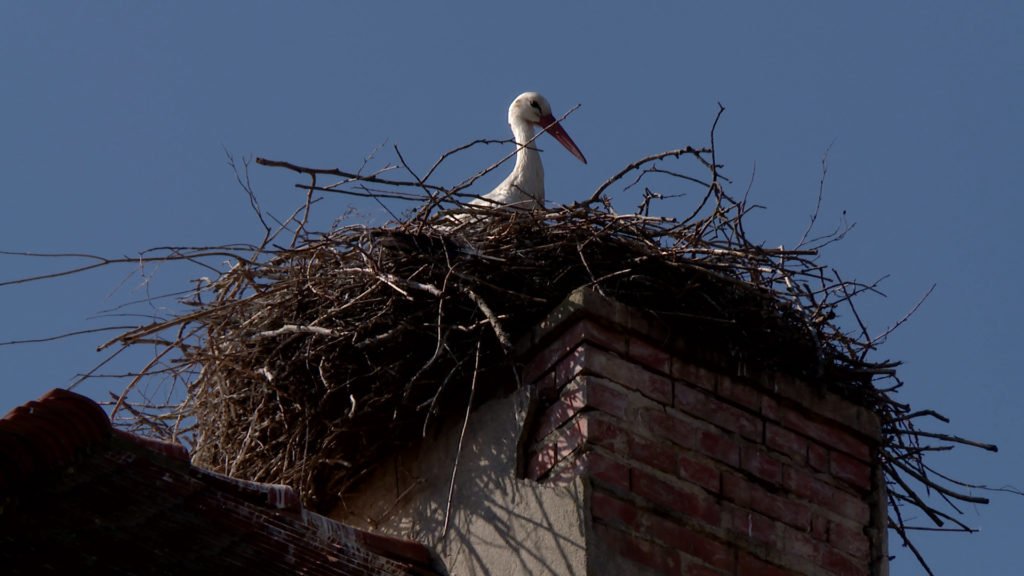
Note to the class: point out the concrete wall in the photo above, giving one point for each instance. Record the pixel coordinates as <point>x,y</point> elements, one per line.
<point>499,524</point>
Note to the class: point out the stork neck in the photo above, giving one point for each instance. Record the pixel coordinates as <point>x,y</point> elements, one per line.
<point>527,153</point>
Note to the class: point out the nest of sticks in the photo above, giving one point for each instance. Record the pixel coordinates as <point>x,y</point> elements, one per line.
<point>306,363</point>
<point>323,357</point>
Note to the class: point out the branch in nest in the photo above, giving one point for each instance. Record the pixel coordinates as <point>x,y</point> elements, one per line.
<point>689,150</point>
<point>296,329</point>
<point>492,318</point>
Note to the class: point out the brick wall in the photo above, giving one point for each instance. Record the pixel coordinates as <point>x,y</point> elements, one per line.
<point>695,471</point>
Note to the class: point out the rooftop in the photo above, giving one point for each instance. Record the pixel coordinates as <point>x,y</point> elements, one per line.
<point>82,497</point>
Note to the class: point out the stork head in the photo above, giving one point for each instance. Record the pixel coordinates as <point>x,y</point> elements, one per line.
<point>532,108</point>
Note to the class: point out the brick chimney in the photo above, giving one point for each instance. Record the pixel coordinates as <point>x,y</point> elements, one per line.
<point>630,452</point>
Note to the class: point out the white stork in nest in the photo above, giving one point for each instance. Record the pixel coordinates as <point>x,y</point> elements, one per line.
<point>524,187</point>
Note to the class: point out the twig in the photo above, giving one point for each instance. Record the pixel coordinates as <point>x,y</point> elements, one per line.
<point>918,414</point>
<point>65,335</point>
<point>909,493</point>
<point>688,150</point>
<point>462,436</point>
<point>343,174</point>
<point>951,438</point>
<point>898,527</point>
<point>246,185</point>
<point>714,152</point>
<point>387,195</point>
<point>124,393</point>
<point>420,181</point>
<point>297,329</point>
<point>462,148</point>
<point>492,318</point>
<point>848,298</point>
<point>882,337</point>
<point>305,212</point>
<point>821,193</point>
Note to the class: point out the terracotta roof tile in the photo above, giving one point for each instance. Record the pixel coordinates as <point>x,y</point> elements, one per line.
<point>78,497</point>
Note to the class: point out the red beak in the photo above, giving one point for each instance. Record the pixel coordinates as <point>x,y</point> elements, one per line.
<point>559,133</point>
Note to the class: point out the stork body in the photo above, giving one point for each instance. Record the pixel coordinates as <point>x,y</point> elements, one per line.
<point>524,187</point>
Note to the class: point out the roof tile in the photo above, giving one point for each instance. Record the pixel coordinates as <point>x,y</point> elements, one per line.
<point>78,497</point>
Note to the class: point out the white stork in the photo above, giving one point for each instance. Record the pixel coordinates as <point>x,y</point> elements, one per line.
<point>524,187</point>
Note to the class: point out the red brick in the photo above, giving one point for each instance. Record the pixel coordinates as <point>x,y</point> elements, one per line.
<point>696,569</point>
<point>629,374</point>
<point>546,389</point>
<point>607,469</point>
<point>567,405</point>
<point>672,426</point>
<point>747,565</point>
<point>706,407</point>
<point>799,544</point>
<point>819,527</point>
<point>604,336</point>
<point>746,525</point>
<point>806,486</point>
<point>757,461</point>
<point>817,457</point>
<point>674,498</point>
<point>694,375</point>
<point>613,510</point>
<point>719,446</point>
<point>690,542</point>
<point>819,401</point>
<point>835,562</point>
<point>698,471</point>
<point>543,359</point>
<point>650,357</point>
<point>850,540</point>
<point>604,431</point>
<point>638,550</point>
<point>582,392</point>
<point>568,368</point>
<point>786,442</point>
<point>691,434</point>
<point>657,454</point>
<point>820,493</point>
<point>850,507</point>
<point>749,525</point>
<point>576,339</point>
<point>554,449</point>
<point>740,392</point>
<point>851,470</point>
<point>606,396</point>
<point>580,331</point>
<point>746,494</point>
<point>827,434</point>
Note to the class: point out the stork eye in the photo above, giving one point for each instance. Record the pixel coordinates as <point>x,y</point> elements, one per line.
<point>535,105</point>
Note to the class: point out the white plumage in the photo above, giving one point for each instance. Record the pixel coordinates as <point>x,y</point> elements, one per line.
<point>524,187</point>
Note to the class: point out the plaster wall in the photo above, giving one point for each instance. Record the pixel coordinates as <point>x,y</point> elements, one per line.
<point>498,523</point>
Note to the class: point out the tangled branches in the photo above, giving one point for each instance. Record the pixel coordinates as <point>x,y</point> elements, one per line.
<point>303,364</point>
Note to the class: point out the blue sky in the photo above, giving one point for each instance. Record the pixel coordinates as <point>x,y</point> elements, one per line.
<point>115,119</point>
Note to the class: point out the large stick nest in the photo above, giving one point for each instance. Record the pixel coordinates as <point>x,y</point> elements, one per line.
<point>321,358</point>
<point>305,364</point>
